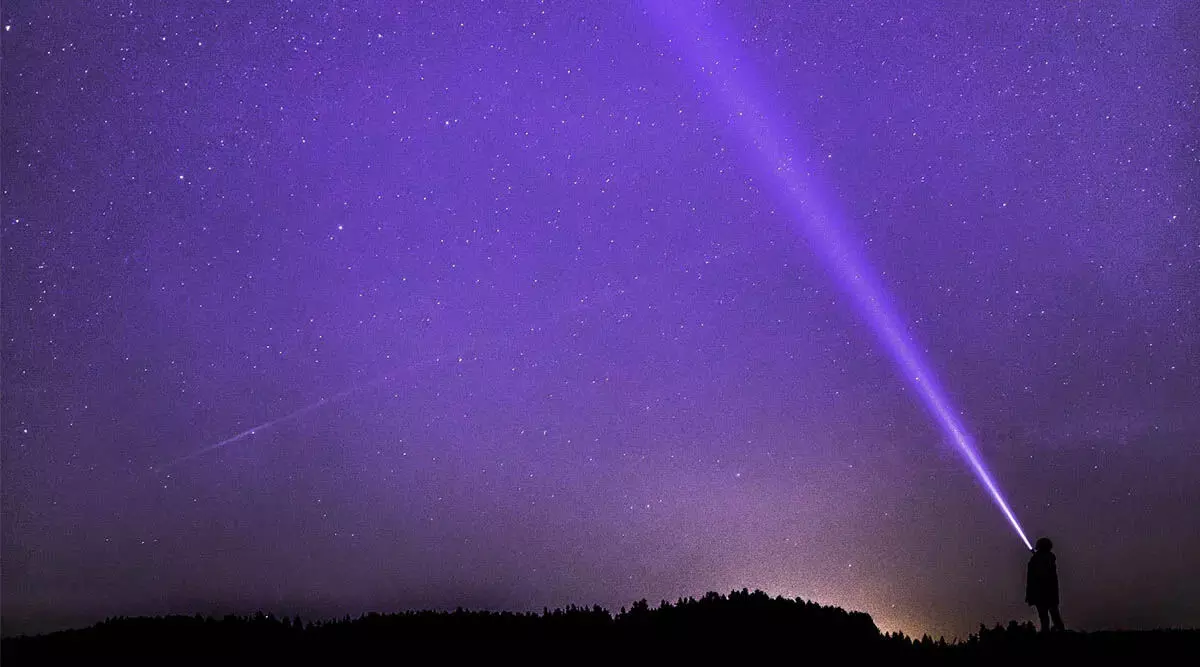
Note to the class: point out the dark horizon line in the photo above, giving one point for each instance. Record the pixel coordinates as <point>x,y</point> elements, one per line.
<point>319,619</point>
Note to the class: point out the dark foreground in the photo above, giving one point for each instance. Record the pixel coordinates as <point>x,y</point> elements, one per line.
<point>740,627</point>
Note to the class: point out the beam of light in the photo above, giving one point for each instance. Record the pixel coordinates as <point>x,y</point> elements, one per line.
<point>724,72</point>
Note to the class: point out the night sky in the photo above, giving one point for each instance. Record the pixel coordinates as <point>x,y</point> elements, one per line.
<point>325,308</point>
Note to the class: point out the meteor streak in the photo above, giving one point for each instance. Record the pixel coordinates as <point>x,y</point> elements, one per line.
<point>295,414</point>
<point>605,295</point>
<point>724,72</point>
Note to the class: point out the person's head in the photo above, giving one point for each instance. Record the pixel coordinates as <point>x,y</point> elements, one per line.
<point>1043,544</point>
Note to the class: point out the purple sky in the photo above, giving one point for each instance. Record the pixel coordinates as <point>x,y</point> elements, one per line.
<point>535,326</point>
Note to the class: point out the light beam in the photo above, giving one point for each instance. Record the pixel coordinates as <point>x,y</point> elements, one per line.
<point>725,72</point>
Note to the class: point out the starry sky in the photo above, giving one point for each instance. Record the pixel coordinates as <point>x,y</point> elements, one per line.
<point>323,308</point>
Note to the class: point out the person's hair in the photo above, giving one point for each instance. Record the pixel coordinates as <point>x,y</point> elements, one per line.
<point>1043,544</point>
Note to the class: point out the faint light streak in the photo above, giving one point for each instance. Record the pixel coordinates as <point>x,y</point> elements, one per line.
<point>591,301</point>
<point>293,415</point>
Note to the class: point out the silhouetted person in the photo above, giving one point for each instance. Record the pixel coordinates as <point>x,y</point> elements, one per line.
<point>1041,584</point>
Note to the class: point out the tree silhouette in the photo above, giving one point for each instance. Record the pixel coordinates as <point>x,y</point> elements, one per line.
<point>741,627</point>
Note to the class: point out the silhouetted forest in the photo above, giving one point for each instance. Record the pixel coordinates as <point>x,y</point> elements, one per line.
<point>739,627</point>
